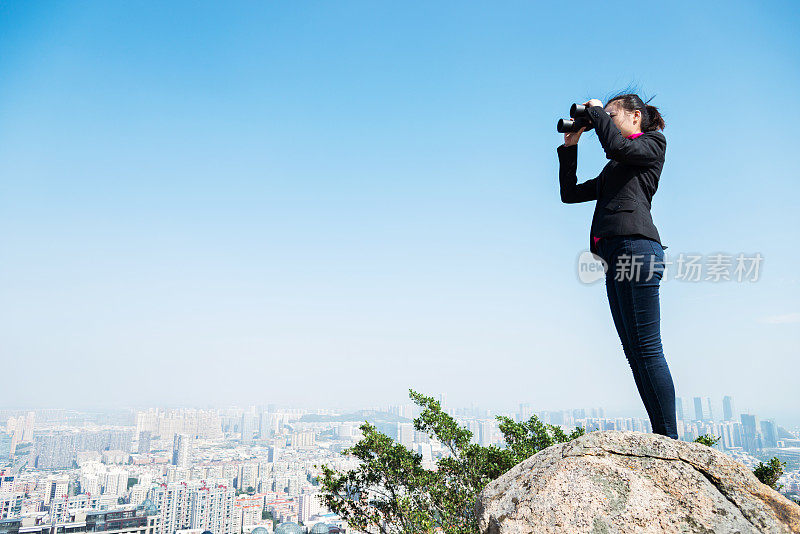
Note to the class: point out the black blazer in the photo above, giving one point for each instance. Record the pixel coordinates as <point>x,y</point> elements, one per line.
<point>625,187</point>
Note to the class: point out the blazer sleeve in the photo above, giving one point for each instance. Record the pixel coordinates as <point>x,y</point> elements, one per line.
<point>644,150</point>
<point>571,190</point>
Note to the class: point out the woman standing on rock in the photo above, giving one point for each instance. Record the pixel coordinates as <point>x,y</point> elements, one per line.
<point>624,236</point>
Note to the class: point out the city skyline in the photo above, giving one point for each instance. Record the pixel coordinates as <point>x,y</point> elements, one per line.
<point>702,409</point>
<point>255,469</point>
<point>333,203</point>
<point>683,402</point>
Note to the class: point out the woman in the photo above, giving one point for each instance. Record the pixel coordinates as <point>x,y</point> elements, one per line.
<point>624,236</point>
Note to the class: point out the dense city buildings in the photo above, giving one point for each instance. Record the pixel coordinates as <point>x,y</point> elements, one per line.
<point>125,520</point>
<point>255,470</point>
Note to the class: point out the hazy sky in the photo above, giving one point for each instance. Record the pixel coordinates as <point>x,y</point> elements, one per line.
<point>327,203</point>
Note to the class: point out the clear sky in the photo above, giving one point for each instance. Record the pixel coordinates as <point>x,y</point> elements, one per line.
<point>326,203</point>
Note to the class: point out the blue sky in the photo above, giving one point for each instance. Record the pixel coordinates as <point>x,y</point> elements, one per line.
<point>326,203</point>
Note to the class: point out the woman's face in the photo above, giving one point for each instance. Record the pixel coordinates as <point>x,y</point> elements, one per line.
<point>628,122</point>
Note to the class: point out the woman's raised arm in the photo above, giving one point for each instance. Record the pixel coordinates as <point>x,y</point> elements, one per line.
<point>571,191</point>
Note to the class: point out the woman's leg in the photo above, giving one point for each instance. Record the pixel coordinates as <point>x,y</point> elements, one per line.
<point>609,253</point>
<point>638,295</point>
<point>616,314</point>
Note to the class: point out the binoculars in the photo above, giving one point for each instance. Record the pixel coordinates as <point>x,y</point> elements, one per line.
<point>580,119</point>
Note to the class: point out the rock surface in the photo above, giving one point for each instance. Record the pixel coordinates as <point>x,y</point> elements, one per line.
<point>624,482</point>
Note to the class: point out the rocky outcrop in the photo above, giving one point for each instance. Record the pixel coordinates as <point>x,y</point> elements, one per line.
<point>624,482</point>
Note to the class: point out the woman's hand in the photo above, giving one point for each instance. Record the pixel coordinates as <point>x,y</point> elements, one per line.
<point>571,138</point>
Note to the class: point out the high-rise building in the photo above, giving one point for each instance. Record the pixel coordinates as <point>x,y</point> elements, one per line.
<point>769,433</point>
<point>144,442</point>
<point>731,433</point>
<point>181,450</point>
<point>195,423</point>
<point>473,425</point>
<point>138,493</point>
<point>247,428</point>
<point>59,449</point>
<point>172,502</point>
<point>486,432</point>
<point>12,496</point>
<point>212,509</point>
<point>709,410</point>
<point>5,447</point>
<point>202,505</point>
<point>119,440</point>
<point>247,476</point>
<point>54,450</point>
<point>247,512</point>
<point>679,408</point>
<point>116,482</point>
<point>56,488</point>
<point>90,484</point>
<point>309,506</point>
<point>302,439</point>
<point>265,425</point>
<point>20,429</point>
<point>751,440</point>
<point>27,432</point>
<point>728,412</point>
<point>698,409</point>
<point>405,434</point>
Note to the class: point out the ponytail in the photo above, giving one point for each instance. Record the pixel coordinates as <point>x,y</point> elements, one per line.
<point>655,120</point>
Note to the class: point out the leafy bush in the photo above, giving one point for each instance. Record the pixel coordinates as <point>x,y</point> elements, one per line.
<point>705,439</point>
<point>770,473</point>
<point>391,492</point>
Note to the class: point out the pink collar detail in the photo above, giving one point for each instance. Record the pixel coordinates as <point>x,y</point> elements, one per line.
<point>634,136</point>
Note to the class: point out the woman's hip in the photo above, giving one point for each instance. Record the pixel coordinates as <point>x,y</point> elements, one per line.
<point>632,258</point>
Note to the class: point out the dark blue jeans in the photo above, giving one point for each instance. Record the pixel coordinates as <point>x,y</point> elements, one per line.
<point>635,268</point>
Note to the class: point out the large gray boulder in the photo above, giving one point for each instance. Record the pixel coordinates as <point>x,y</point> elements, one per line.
<point>624,482</point>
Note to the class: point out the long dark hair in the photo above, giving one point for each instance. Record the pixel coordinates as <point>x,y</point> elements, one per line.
<point>651,117</point>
